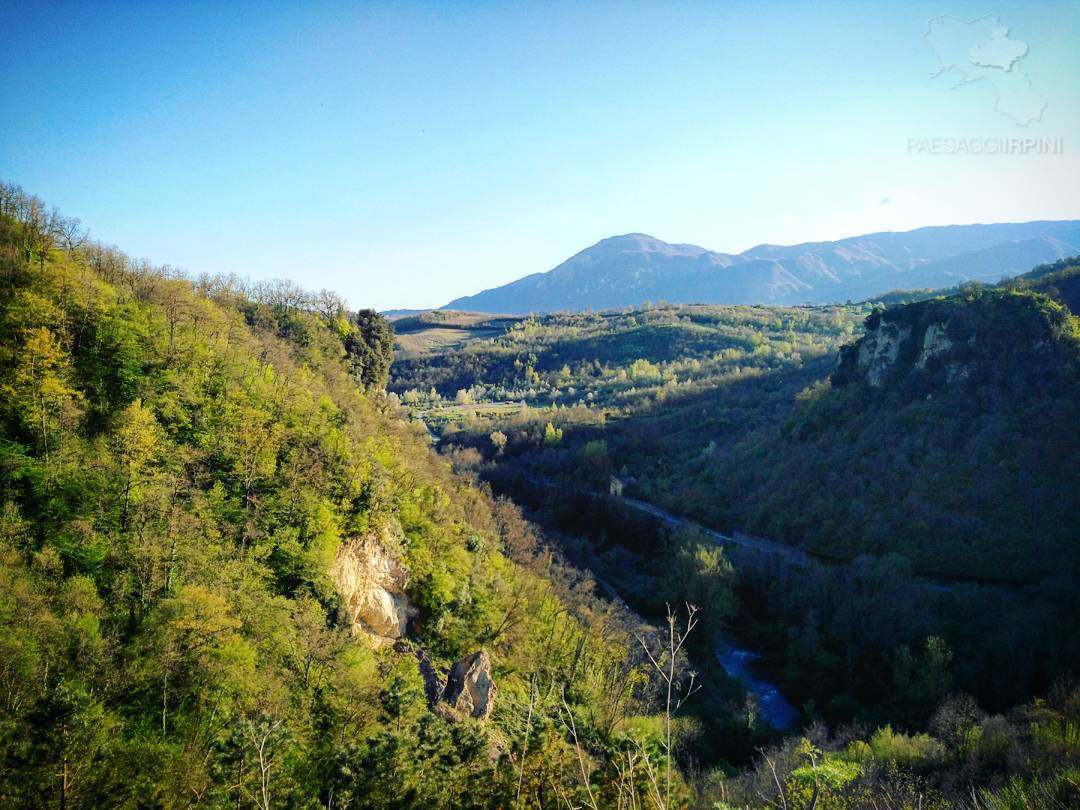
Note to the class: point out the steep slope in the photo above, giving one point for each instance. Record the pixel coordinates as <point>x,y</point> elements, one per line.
<point>949,435</point>
<point>230,576</point>
<point>632,269</point>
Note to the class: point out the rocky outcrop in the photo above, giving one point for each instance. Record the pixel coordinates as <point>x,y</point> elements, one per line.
<point>914,337</point>
<point>935,341</point>
<point>470,689</point>
<point>987,337</point>
<point>467,691</point>
<point>370,579</point>
<point>879,349</point>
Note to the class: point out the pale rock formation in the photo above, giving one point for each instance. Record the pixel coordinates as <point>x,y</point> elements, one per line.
<point>371,580</point>
<point>470,689</point>
<point>879,349</point>
<point>935,342</point>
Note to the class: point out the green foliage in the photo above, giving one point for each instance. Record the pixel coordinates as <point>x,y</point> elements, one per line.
<point>698,573</point>
<point>833,775</point>
<point>370,349</point>
<point>552,435</point>
<point>885,745</point>
<point>180,463</point>
<point>940,503</point>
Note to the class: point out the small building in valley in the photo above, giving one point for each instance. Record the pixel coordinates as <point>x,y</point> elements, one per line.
<point>618,485</point>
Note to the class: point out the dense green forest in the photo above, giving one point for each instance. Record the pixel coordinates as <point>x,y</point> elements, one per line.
<point>234,573</point>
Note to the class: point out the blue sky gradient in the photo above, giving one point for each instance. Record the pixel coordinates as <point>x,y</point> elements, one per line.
<point>410,153</point>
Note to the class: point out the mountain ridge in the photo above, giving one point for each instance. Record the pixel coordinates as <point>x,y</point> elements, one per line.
<point>630,269</point>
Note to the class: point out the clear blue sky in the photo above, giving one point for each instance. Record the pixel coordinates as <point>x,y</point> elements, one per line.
<point>408,153</point>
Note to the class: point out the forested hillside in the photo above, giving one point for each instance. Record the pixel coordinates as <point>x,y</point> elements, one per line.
<point>623,361</point>
<point>234,574</point>
<point>185,468</point>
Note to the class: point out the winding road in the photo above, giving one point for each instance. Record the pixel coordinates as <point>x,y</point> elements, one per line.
<point>791,555</point>
<point>788,554</point>
<point>777,550</point>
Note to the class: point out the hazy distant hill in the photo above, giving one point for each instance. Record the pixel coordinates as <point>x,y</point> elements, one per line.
<point>631,269</point>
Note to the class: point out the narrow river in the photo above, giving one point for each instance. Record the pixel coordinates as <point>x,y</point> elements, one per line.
<point>774,707</point>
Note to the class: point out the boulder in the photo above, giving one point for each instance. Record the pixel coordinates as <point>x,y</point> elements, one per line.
<point>470,689</point>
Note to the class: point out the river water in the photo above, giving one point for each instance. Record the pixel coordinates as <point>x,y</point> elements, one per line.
<point>774,707</point>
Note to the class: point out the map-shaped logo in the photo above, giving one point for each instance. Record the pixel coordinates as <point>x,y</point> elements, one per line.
<point>980,49</point>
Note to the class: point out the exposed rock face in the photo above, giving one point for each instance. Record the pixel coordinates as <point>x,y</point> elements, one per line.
<point>903,338</point>
<point>470,689</point>
<point>990,338</point>
<point>934,342</point>
<point>371,581</point>
<point>879,349</point>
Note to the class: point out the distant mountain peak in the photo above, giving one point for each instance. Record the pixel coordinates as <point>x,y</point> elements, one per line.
<point>630,269</point>
<point>644,243</point>
<point>630,237</point>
